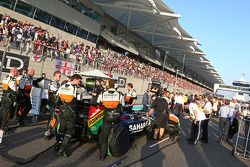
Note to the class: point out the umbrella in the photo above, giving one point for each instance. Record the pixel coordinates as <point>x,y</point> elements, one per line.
<point>95,74</point>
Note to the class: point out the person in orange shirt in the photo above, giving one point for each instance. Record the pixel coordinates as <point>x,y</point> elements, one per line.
<point>130,97</point>
<point>112,101</point>
<point>67,105</point>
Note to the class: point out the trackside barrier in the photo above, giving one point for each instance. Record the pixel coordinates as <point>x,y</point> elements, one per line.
<point>242,145</point>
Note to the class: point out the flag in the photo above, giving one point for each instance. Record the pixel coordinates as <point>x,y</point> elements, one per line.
<point>38,53</point>
<point>37,57</point>
<point>66,68</point>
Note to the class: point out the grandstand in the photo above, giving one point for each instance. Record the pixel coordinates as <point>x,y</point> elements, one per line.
<point>142,30</point>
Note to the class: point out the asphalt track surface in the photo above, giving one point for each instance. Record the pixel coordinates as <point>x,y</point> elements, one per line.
<point>25,142</point>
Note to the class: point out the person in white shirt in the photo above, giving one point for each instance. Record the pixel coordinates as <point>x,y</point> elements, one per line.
<point>198,117</point>
<point>235,105</point>
<point>179,104</point>
<point>207,111</point>
<point>215,108</point>
<point>224,121</point>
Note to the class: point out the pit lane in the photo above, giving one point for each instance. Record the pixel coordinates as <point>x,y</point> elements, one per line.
<point>25,142</point>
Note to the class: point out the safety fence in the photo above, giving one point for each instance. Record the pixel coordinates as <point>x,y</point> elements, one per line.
<point>242,145</point>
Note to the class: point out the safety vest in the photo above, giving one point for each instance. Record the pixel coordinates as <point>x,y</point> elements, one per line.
<point>9,85</point>
<point>67,92</point>
<point>110,99</point>
<point>130,96</point>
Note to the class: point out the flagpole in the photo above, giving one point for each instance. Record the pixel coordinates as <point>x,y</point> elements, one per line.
<point>165,57</point>
<point>43,60</point>
<point>2,63</point>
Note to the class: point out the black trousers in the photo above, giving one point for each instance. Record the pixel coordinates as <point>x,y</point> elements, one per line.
<point>196,131</point>
<point>65,130</point>
<point>178,109</point>
<point>6,108</point>
<point>205,128</point>
<point>24,107</point>
<point>104,136</point>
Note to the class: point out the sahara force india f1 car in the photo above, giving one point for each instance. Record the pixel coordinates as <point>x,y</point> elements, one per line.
<point>90,119</point>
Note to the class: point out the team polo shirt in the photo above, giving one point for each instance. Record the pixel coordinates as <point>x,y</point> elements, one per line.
<point>130,96</point>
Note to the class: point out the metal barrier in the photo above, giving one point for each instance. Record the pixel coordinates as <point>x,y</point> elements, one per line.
<point>242,145</point>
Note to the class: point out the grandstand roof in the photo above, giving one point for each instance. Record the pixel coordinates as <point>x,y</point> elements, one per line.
<point>158,24</point>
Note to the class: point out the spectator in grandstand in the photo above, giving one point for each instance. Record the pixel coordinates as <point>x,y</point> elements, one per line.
<point>32,38</point>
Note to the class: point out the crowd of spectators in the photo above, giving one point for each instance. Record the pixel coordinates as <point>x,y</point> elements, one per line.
<point>29,38</point>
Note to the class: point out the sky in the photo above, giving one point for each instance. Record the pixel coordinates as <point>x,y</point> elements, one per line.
<point>223,29</point>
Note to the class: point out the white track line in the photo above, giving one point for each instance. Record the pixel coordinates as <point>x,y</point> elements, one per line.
<point>159,142</point>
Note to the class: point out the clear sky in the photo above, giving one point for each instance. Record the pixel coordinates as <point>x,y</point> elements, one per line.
<point>223,29</point>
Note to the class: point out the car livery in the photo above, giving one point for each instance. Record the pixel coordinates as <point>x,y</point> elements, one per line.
<point>134,122</point>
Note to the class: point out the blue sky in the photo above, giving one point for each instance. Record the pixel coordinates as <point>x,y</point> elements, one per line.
<point>223,29</point>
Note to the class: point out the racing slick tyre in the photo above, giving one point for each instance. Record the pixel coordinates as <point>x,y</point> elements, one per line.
<point>119,143</point>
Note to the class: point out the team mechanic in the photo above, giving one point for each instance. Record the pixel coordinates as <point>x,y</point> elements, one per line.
<point>8,98</point>
<point>160,108</point>
<point>130,97</point>
<point>67,104</point>
<point>112,101</point>
<point>25,85</point>
<point>53,88</point>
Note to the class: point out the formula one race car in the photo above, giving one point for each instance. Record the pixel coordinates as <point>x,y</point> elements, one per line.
<point>131,123</point>
<point>89,124</point>
<point>90,119</point>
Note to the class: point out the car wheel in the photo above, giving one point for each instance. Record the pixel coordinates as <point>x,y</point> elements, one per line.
<point>119,143</point>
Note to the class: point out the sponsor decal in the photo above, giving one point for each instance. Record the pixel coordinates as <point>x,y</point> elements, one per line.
<point>122,82</point>
<point>96,118</point>
<point>134,128</point>
<point>14,60</point>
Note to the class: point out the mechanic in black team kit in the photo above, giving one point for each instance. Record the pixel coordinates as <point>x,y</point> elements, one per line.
<point>67,105</point>
<point>112,101</point>
<point>53,88</point>
<point>9,97</point>
<point>159,107</point>
<point>130,97</point>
